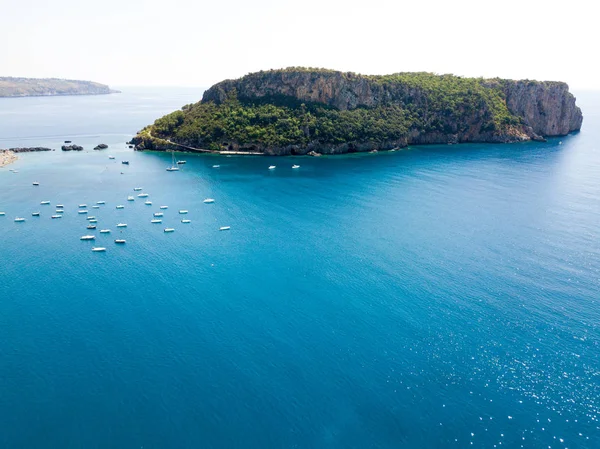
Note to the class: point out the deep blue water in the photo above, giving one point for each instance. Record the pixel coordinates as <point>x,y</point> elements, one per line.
<point>435,297</point>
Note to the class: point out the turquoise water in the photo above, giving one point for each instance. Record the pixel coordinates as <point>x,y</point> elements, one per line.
<point>436,297</point>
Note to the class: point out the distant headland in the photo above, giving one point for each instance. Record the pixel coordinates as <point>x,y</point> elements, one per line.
<point>317,111</point>
<point>36,87</point>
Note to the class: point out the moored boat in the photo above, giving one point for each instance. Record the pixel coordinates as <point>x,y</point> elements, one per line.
<point>169,229</point>
<point>56,216</point>
<point>164,207</point>
<point>209,200</point>
<point>295,166</point>
<point>100,202</point>
<point>122,225</point>
<point>143,195</point>
<point>98,249</point>
<point>120,206</point>
<point>156,220</point>
<point>137,189</point>
<point>148,203</point>
<point>186,221</point>
<point>44,203</point>
<point>87,237</point>
<point>36,183</point>
<point>120,241</point>
<point>19,219</point>
<point>82,211</point>
<point>158,214</point>
<point>104,231</point>
<point>35,214</point>
<point>272,167</point>
<point>183,211</point>
<point>224,228</point>
<point>130,198</point>
<point>91,227</point>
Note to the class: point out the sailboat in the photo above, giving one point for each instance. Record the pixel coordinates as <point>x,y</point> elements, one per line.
<point>173,166</point>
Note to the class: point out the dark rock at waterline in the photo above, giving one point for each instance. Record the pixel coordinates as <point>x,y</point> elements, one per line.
<point>101,146</point>
<point>71,148</point>
<point>28,150</point>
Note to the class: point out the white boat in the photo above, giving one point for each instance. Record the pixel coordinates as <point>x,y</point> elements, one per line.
<point>81,206</point>
<point>224,228</point>
<point>100,202</point>
<point>173,166</point>
<point>82,211</point>
<point>156,220</point>
<point>181,162</point>
<point>36,183</point>
<point>95,207</point>
<point>169,229</point>
<point>45,203</point>
<point>56,216</point>
<point>209,200</point>
<point>91,217</point>
<point>148,203</point>
<point>60,206</point>
<point>158,214</point>
<point>60,211</point>
<point>120,206</point>
<point>186,221</point>
<point>122,225</point>
<point>98,249</point>
<point>130,198</point>
<point>111,157</point>
<point>120,241</point>
<point>183,211</point>
<point>93,221</point>
<point>164,207</point>
<point>143,195</point>
<point>15,171</point>
<point>295,166</point>
<point>19,219</point>
<point>87,237</point>
<point>2,214</point>
<point>104,231</point>
<point>216,166</point>
<point>91,227</point>
<point>272,167</point>
<point>137,189</point>
<point>35,214</point>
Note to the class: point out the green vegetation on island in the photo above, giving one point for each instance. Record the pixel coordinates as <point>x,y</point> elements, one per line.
<point>30,87</point>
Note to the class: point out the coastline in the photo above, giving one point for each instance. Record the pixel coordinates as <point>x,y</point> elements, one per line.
<point>7,157</point>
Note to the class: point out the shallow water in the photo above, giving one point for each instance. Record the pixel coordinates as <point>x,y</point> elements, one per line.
<point>442,296</point>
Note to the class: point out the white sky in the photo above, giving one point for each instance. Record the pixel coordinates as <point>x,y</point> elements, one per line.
<point>198,43</point>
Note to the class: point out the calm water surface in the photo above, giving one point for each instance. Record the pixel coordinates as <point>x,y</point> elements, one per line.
<point>436,297</point>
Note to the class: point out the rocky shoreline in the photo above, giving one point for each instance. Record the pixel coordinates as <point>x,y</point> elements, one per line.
<point>7,157</point>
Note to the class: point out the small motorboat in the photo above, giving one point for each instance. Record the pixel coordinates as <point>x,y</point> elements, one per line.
<point>60,206</point>
<point>104,231</point>
<point>125,162</point>
<point>122,225</point>
<point>56,216</point>
<point>87,237</point>
<point>169,229</point>
<point>60,211</point>
<point>82,211</point>
<point>186,221</point>
<point>130,198</point>
<point>67,141</point>
<point>44,203</point>
<point>272,167</point>
<point>120,206</point>
<point>91,217</point>
<point>36,183</point>
<point>216,166</point>
<point>295,166</point>
<point>148,203</point>
<point>100,202</point>
<point>81,206</point>
<point>137,189</point>
<point>172,168</point>
<point>111,157</point>
<point>156,220</point>
<point>19,219</point>
<point>143,195</point>
<point>120,241</point>
<point>2,214</point>
<point>91,227</point>
<point>93,221</point>
<point>95,207</point>
<point>164,207</point>
<point>98,249</point>
<point>158,214</point>
<point>183,212</point>
<point>209,200</point>
<point>224,228</point>
<point>180,162</point>
<point>35,214</point>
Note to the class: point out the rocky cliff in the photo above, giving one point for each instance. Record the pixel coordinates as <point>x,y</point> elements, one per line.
<point>297,110</point>
<point>33,87</point>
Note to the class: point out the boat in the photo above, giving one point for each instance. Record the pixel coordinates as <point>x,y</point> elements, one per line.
<point>81,206</point>
<point>295,166</point>
<point>148,203</point>
<point>130,198</point>
<point>82,211</point>
<point>98,249</point>
<point>125,162</point>
<point>173,166</point>
<point>100,202</point>
<point>158,214</point>
<point>156,220</point>
<point>19,219</point>
<point>15,171</point>
<point>60,206</point>
<point>35,214</point>
<point>143,195</point>
<point>95,207</point>
<point>183,211</point>
<point>164,207</point>
<point>60,211</point>
<point>209,200</point>
<point>216,166</point>
<point>43,203</point>
<point>67,141</point>
<point>224,228</point>
<point>91,227</point>
<point>120,206</point>
<point>181,162</point>
<point>104,231</point>
<point>169,229</point>
<point>122,225</point>
<point>93,221</point>
<point>56,216</point>
<point>137,189</point>
<point>2,214</point>
<point>91,217</point>
<point>272,167</point>
<point>36,183</point>
<point>186,221</point>
<point>120,241</point>
<point>87,237</point>
<point>111,157</point>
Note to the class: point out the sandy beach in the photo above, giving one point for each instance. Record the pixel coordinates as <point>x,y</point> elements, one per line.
<point>7,157</point>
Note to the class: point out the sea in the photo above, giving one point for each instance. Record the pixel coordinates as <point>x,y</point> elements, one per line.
<point>434,297</point>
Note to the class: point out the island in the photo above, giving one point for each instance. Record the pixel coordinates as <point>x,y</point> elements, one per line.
<point>35,87</point>
<point>298,111</point>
